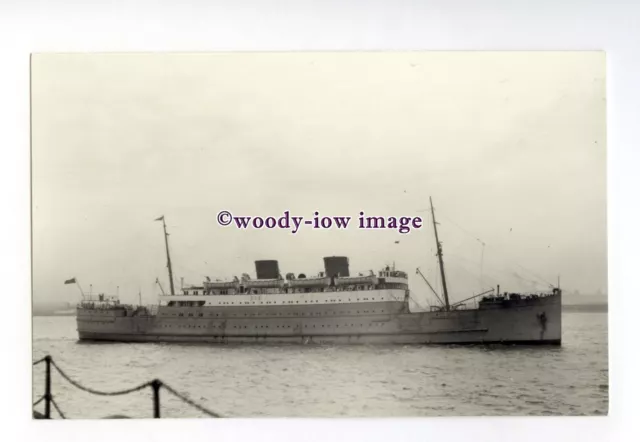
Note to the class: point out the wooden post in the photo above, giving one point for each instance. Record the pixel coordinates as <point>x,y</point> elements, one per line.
<point>155,385</point>
<point>47,388</point>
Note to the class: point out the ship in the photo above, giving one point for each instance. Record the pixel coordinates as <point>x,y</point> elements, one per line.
<point>331,307</point>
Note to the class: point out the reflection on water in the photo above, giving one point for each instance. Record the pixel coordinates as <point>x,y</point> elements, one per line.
<point>324,381</point>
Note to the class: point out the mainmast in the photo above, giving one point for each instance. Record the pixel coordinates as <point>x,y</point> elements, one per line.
<point>444,280</point>
<point>166,243</point>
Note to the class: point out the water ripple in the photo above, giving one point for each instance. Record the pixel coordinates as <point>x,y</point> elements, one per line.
<point>326,381</point>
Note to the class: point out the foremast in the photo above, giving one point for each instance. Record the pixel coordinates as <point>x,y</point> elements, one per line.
<point>166,244</point>
<point>440,261</point>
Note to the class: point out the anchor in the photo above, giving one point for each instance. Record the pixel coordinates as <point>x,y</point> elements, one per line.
<point>542,318</point>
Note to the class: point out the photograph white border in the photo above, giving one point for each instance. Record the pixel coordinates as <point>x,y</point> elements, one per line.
<point>27,26</point>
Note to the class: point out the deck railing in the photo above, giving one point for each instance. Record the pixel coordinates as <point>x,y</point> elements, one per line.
<point>156,386</point>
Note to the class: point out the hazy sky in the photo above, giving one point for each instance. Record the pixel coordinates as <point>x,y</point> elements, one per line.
<point>511,146</point>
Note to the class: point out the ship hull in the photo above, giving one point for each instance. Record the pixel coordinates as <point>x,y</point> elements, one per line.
<point>534,321</point>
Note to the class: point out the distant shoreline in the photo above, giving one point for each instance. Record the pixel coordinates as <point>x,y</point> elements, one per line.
<point>52,314</point>
<point>585,308</point>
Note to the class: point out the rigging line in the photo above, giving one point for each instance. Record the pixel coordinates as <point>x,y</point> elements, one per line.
<point>419,304</point>
<point>494,248</point>
<point>535,276</point>
<point>487,275</point>
<point>531,273</point>
<point>468,261</point>
<point>438,286</point>
<point>429,285</point>
<point>482,267</point>
<point>461,228</point>
<point>510,272</point>
<point>464,261</point>
<point>38,401</point>
<point>539,278</point>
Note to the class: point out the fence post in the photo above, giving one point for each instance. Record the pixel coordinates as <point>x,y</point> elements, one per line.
<point>47,388</point>
<point>155,385</point>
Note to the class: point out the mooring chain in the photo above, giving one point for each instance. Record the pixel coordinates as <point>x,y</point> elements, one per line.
<point>189,401</point>
<point>40,360</point>
<point>58,409</point>
<point>120,392</point>
<point>99,393</point>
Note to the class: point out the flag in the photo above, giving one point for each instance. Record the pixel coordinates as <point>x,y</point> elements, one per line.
<point>160,219</point>
<point>70,281</point>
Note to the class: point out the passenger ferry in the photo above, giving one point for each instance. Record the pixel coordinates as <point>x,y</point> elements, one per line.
<point>332,307</point>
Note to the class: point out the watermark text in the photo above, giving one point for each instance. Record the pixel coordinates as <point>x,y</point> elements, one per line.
<point>287,221</point>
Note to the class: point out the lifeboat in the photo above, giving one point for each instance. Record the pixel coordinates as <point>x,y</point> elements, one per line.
<point>310,282</point>
<point>356,280</point>
<point>221,285</point>
<point>263,283</point>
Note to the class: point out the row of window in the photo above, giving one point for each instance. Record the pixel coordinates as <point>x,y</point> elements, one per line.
<point>292,290</point>
<point>316,301</point>
<point>255,327</point>
<point>252,315</point>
